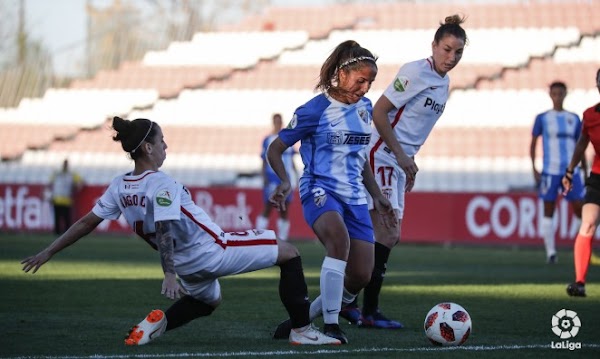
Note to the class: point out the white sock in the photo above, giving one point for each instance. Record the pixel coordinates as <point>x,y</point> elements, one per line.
<point>548,234</point>
<point>316,307</point>
<point>348,297</point>
<point>262,222</point>
<point>302,329</point>
<point>283,228</point>
<point>332,288</point>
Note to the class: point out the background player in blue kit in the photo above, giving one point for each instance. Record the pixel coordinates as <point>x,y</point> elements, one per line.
<point>191,246</point>
<point>334,128</point>
<point>560,130</point>
<point>271,180</point>
<point>404,116</point>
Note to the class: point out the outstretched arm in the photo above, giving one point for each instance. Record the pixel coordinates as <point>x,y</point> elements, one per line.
<point>78,230</point>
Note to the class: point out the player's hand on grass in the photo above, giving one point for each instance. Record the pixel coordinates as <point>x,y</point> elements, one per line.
<point>278,197</point>
<point>36,261</point>
<point>171,287</point>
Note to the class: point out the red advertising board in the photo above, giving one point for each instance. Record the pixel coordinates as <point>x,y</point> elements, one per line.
<point>430,216</point>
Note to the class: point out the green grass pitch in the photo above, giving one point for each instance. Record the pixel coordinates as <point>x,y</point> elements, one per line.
<point>81,304</point>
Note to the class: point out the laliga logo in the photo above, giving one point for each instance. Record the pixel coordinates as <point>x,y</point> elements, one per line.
<point>566,324</point>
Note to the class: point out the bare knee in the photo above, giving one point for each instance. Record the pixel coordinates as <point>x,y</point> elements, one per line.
<point>360,265</point>
<point>286,251</point>
<point>213,303</point>
<point>337,248</point>
<point>384,235</point>
<point>216,303</point>
<point>388,236</point>
<point>333,234</point>
<point>587,228</point>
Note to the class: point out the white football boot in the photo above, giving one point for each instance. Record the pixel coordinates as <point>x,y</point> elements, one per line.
<point>149,329</point>
<point>309,335</point>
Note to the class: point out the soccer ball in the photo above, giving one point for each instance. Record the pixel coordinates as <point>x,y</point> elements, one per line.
<point>447,324</point>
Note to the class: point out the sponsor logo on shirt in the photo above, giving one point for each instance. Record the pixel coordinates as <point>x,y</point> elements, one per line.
<point>164,198</point>
<point>436,107</point>
<point>342,138</point>
<point>335,123</point>
<point>401,83</point>
<point>334,138</point>
<point>350,139</point>
<point>293,122</point>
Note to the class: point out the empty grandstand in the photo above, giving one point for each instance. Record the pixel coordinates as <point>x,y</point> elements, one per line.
<point>214,95</point>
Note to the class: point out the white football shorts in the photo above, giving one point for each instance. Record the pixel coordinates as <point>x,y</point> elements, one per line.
<point>239,252</point>
<point>391,180</point>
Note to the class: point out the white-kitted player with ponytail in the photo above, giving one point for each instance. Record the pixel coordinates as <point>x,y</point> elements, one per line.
<point>194,251</point>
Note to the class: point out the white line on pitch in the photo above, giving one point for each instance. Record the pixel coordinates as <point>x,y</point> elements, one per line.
<point>298,352</point>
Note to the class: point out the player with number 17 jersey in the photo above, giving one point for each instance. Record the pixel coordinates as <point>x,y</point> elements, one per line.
<point>419,94</point>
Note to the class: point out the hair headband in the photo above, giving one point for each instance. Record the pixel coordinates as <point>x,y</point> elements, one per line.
<point>143,139</point>
<point>356,59</point>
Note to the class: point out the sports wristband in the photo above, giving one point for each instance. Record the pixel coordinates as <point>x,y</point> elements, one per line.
<point>569,176</point>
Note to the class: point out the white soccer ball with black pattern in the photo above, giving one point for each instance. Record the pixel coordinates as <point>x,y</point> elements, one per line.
<point>447,324</point>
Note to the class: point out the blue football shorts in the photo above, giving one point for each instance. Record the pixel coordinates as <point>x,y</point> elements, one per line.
<point>551,186</point>
<point>356,217</point>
